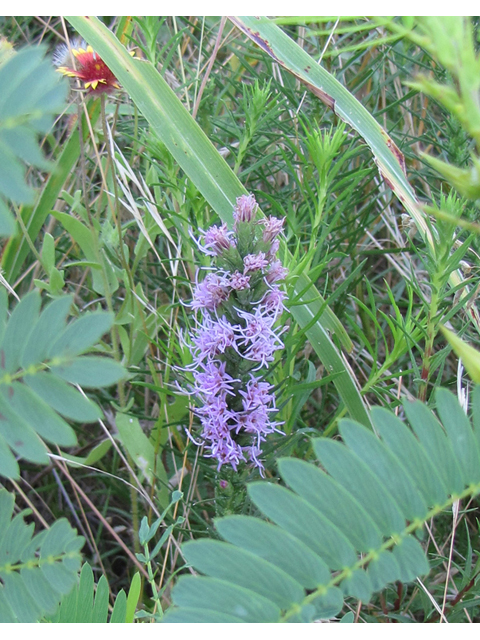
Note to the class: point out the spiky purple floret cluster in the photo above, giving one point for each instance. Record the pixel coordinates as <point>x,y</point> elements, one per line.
<point>237,305</point>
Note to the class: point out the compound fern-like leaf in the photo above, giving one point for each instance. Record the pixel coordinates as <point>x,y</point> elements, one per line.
<point>35,571</point>
<point>39,356</point>
<point>345,529</point>
<point>85,604</point>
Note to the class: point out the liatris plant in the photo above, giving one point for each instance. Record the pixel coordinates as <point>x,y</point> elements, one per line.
<point>237,305</point>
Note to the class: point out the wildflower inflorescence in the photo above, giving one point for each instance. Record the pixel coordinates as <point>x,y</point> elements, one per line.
<point>90,68</point>
<point>237,305</point>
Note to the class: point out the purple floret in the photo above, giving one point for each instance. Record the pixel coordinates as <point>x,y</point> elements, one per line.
<point>218,239</point>
<point>254,262</point>
<point>272,228</point>
<point>246,209</point>
<point>213,338</point>
<point>210,293</point>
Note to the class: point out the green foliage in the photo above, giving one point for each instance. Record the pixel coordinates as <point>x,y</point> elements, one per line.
<point>451,41</point>
<point>142,452</point>
<point>89,603</point>
<point>40,358</point>
<point>348,529</point>
<point>35,571</point>
<point>292,114</point>
<point>32,94</point>
<point>211,175</point>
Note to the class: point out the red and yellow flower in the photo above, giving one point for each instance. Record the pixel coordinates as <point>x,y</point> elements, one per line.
<point>91,70</point>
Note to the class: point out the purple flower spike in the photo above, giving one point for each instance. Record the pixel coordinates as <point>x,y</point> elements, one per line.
<point>236,337</point>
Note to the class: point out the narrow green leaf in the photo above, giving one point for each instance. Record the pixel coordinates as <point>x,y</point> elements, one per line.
<point>328,353</point>
<point>411,559</point>
<point>406,447</point>
<point>137,444</point>
<point>382,570</point>
<point>358,585</point>
<point>6,509</point>
<point>94,455</point>
<point>3,311</point>
<point>435,444</point>
<point>298,517</point>
<point>7,228</point>
<point>305,615</point>
<point>85,595</point>
<point>348,618</point>
<point>226,562</point>
<point>83,237</point>
<point>18,329</point>
<point>63,398</point>
<point>218,595</point>
<point>48,253</point>
<point>119,608</point>
<point>81,334</point>
<point>8,465</point>
<point>287,53</point>
<point>349,471</point>
<point>90,371</point>
<point>392,475</point>
<point>100,606</point>
<point>18,434</point>
<point>39,416</point>
<point>46,330</point>
<point>333,501</point>
<point>276,546</point>
<point>460,435</point>
<point>142,451</point>
<point>328,604</point>
<point>133,597</point>
<point>68,608</point>
<point>469,355</point>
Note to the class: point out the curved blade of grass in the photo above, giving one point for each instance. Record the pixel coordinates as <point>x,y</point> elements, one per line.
<point>202,163</point>
<point>388,157</point>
